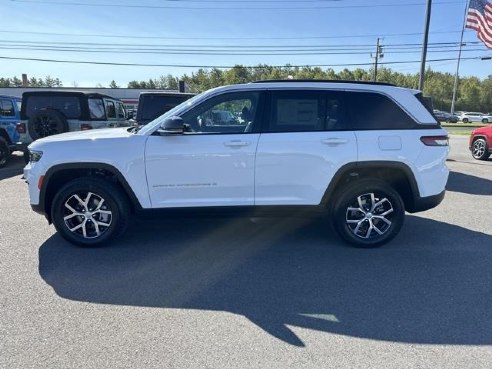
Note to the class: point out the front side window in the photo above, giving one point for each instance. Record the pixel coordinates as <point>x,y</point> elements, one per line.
<point>96,109</point>
<point>227,113</point>
<point>110,109</point>
<point>120,110</point>
<point>6,108</point>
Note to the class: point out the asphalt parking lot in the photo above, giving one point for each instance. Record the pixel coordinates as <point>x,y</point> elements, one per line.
<point>261,293</point>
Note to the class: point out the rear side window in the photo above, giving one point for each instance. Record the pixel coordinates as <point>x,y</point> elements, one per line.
<point>6,108</point>
<point>69,106</point>
<point>297,111</point>
<point>370,111</point>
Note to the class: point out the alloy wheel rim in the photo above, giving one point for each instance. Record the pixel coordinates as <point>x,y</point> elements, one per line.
<point>46,126</point>
<point>478,148</point>
<point>87,215</point>
<point>369,216</point>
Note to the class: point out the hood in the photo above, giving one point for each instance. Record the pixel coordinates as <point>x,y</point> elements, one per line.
<point>483,130</point>
<point>93,134</point>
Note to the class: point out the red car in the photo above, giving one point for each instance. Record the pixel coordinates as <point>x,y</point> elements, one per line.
<point>481,143</point>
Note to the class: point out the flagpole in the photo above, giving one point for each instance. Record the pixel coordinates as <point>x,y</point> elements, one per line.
<point>455,87</point>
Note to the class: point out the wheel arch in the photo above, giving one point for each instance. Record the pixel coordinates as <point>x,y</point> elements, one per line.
<point>60,174</point>
<point>482,136</point>
<point>399,175</point>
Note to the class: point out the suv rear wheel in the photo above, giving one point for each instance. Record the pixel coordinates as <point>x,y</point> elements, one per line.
<point>368,213</point>
<point>90,211</point>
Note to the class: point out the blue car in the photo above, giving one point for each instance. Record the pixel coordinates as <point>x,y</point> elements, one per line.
<point>9,137</point>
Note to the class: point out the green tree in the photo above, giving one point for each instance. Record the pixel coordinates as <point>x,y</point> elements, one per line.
<point>470,92</point>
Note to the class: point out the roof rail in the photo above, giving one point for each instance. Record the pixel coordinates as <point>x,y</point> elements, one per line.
<point>326,80</point>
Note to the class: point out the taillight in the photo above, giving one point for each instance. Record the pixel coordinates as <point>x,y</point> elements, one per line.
<point>85,126</point>
<point>20,128</point>
<point>435,140</point>
<point>40,182</point>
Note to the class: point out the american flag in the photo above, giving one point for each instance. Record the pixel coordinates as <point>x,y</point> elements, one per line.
<point>479,18</point>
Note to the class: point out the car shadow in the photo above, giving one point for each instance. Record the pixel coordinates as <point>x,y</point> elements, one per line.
<point>14,166</point>
<point>465,183</point>
<point>431,285</point>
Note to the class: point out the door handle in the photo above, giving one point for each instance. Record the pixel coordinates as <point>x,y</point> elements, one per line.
<point>236,143</point>
<point>334,141</point>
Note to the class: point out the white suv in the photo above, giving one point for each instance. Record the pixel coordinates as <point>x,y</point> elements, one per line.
<point>362,153</point>
<point>468,117</point>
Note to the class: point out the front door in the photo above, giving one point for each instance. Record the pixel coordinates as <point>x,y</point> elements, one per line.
<point>213,162</point>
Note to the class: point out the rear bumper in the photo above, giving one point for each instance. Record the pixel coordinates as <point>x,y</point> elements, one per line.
<point>425,203</point>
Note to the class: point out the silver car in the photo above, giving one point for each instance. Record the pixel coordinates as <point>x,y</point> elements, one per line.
<point>469,117</point>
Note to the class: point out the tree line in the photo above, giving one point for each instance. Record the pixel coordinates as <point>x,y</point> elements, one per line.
<point>473,94</point>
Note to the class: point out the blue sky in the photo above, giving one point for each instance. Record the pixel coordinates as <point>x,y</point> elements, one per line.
<point>345,31</point>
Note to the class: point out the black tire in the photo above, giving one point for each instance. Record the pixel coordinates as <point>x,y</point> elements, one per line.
<point>26,157</point>
<point>465,120</point>
<point>4,152</point>
<point>46,122</point>
<point>485,120</point>
<point>480,149</point>
<point>353,218</point>
<point>79,223</point>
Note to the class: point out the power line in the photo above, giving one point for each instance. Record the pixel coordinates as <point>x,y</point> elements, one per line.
<point>277,8</point>
<point>218,52</point>
<point>235,46</point>
<point>223,66</point>
<point>224,38</point>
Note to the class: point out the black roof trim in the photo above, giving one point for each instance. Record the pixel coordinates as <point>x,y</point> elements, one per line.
<point>69,93</point>
<point>326,80</point>
<point>170,93</point>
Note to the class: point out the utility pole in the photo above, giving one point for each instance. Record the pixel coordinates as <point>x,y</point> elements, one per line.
<point>456,75</point>
<point>379,54</point>
<point>424,46</point>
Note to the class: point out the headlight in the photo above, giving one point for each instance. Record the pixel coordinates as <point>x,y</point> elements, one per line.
<point>35,156</point>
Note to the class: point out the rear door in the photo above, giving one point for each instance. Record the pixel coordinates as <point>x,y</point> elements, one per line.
<point>304,142</point>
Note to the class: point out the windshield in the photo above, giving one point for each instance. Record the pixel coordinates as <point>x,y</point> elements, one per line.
<point>149,127</point>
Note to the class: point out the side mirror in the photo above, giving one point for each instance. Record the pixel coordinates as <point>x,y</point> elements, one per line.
<point>172,125</point>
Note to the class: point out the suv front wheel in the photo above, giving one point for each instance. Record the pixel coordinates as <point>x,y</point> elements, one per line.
<point>480,149</point>
<point>368,213</point>
<point>90,211</point>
